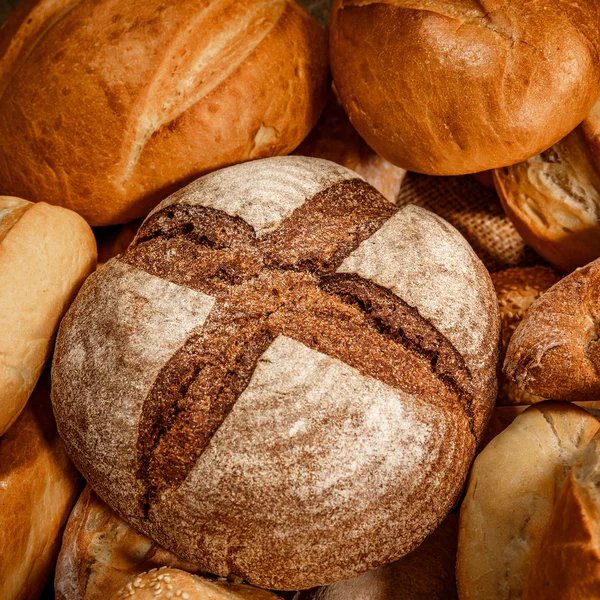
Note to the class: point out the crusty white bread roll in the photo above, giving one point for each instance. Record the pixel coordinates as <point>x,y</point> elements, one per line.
<point>166,583</point>
<point>171,91</point>
<point>553,199</point>
<point>517,290</point>
<point>448,87</point>
<point>510,497</point>
<point>281,313</point>
<point>46,252</point>
<point>425,573</point>
<point>38,487</point>
<point>567,565</point>
<point>554,351</point>
<point>101,553</point>
<point>334,138</point>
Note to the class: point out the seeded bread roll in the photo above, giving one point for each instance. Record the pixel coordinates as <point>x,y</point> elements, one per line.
<point>101,553</point>
<point>171,91</point>
<point>567,566</point>
<point>553,199</point>
<point>38,487</point>
<point>165,583</point>
<point>517,290</point>
<point>448,87</point>
<point>281,356</point>
<point>510,497</point>
<point>335,139</point>
<point>45,254</point>
<point>427,572</point>
<point>554,351</point>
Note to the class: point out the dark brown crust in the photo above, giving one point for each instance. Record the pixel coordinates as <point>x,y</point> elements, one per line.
<point>282,284</point>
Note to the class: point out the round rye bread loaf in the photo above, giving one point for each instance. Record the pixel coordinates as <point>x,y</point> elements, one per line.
<point>285,376</point>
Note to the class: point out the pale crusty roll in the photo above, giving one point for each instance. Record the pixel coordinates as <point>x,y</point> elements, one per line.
<point>46,252</point>
<point>517,290</point>
<point>510,496</point>
<point>166,583</point>
<point>171,91</point>
<point>553,199</point>
<point>452,87</point>
<point>567,566</point>
<point>101,553</point>
<point>554,352</point>
<point>334,138</point>
<point>38,487</point>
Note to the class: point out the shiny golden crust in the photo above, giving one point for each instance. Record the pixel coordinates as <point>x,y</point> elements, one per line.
<point>517,289</point>
<point>38,487</point>
<point>45,256</point>
<point>510,496</point>
<point>567,566</point>
<point>553,199</point>
<point>171,91</point>
<point>453,87</point>
<point>165,583</point>
<point>554,351</point>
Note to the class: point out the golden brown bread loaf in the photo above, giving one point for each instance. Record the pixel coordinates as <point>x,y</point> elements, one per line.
<point>567,565</point>
<point>553,199</point>
<point>101,553</point>
<point>554,352</point>
<point>45,254</point>
<point>510,497</point>
<point>38,487</point>
<point>517,289</point>
<point>453,87</point>
<point>335,139</point>
<point>345,345</point>
<point>106,107</point>
<point>166,584</point>
<point>425,573</point>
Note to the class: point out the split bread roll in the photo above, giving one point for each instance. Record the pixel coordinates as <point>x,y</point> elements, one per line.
<point>167,584</point>
<point>171,91</point>
<point>425,573</point>
<point>517,290</point>
<point>554,352</point>
<point>38,487</point>
<point>510,497</point>
<point>334,138</point>
<point>46,252</point>
<point>553,199</point>
<point>448,87</point>
<point>101,553</point>
<point>567,565</point>
<point>281,313</point>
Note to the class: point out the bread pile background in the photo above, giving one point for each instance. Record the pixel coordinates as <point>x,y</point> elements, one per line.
<point>299,300</point>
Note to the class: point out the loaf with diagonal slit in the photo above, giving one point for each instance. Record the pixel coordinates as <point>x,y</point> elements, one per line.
<point>106,107</point>
<point>284,377</point>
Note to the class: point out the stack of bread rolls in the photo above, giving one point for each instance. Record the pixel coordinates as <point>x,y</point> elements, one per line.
<point>282,366</point>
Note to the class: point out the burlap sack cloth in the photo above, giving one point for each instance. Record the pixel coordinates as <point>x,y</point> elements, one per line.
<point>476,212</point>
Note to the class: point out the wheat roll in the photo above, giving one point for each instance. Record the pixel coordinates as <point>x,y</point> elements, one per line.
<point>38,487</point>
<point>449,87</point>
<point>553,199</point>
<point>281,356</point>
<point>554,351</point>
<point>510,497</point>
<point>46,252</point>
<point>171,91</point>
